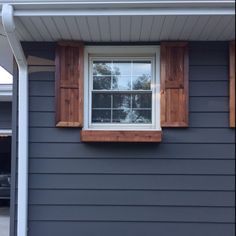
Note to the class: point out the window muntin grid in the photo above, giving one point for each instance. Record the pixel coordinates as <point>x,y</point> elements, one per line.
<point>121,90</point>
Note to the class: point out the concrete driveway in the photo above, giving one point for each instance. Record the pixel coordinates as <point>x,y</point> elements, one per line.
<point>4,221</point>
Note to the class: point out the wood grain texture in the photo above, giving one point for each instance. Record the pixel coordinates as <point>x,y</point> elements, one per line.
<point>120,136</point>
<point>232,84</point>
<point>174,84</point>
<point>69,84</point>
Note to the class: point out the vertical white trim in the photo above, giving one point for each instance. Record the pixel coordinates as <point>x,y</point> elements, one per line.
<point>86,89</point>
<point>22,206</point>
<point>158,90</point>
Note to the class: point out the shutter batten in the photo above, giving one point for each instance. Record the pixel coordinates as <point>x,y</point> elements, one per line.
<point>232,84</point>
<point>69,84</point>
<point>174,84</point>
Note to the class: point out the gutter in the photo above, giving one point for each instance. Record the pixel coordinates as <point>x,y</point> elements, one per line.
<point>120,8</point>
<point>128,12</point>
<point>22,207</point>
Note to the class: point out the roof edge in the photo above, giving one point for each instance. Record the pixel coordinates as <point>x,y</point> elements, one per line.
<point>129,3</point>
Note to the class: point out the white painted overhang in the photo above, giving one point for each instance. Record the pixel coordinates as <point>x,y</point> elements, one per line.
<point>125,21</point>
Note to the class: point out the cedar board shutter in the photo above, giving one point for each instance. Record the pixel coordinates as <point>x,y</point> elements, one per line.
<point>232,84</point>
<point>69,84</point>
<point>174,84</point>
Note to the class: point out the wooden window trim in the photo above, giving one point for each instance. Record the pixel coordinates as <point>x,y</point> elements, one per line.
<point>120,136</point>
<point>232,84</point>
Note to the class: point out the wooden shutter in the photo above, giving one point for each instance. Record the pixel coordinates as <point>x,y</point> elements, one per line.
<point>232,84</point>
<point>174,84</point>
<point>69,84</point>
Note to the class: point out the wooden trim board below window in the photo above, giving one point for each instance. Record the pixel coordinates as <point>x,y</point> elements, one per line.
<point>120,136</point>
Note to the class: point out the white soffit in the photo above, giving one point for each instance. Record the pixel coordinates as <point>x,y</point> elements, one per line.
<point>125,21</point>
<point>6,57</point>
<point>126,28</point>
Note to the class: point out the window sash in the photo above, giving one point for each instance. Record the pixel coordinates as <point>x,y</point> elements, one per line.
<point>116,91</point>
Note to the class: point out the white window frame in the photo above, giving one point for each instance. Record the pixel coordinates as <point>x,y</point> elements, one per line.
<point>116,52</point>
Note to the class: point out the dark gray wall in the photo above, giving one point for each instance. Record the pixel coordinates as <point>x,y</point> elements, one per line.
<point>182,186</point>
<point>5,115</point>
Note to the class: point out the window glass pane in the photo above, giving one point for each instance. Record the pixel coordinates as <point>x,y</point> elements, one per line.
<point>122,67</point>
<point>101,100</point>
<point>102,68</point>
<point>122,116</point>
<point>142,68</point>
<point>101,82</point>
<point>101,116</point>
<point>142,82</point>
<point>129,116</point>
<point>121,101</point>
<point>142,100</point>
<point>121,83</point>
<point>142,116</point>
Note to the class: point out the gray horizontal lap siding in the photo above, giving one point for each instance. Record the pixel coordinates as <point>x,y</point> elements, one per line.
<point>182,186</point>
<point>5,115</point>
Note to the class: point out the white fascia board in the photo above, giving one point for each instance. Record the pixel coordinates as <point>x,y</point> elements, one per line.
<point>96,8</point>
<point>127,12</point>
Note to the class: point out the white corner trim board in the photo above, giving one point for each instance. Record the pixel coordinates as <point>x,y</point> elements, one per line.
<point>22,207</point>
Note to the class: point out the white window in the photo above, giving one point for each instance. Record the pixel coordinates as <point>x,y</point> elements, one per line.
<point>122,86</point>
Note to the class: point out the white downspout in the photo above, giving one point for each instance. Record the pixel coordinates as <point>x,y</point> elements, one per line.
<point>22,207</point>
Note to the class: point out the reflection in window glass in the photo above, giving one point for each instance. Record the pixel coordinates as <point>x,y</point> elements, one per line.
<point>142,68</point>
<point>121,83</point>
<point>102,67</point>
<point>142,100</point>
<point>101,100</point>
<point>142,82</point>
<point>122,116</point>
<point>122,91</point>
<point>102,82</point>
<point>122,67</point>
<point>121,101</point>
<point>131,116</point>
<point>101,116</point>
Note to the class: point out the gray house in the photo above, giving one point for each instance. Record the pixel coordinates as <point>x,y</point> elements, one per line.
<point>123,117</point>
